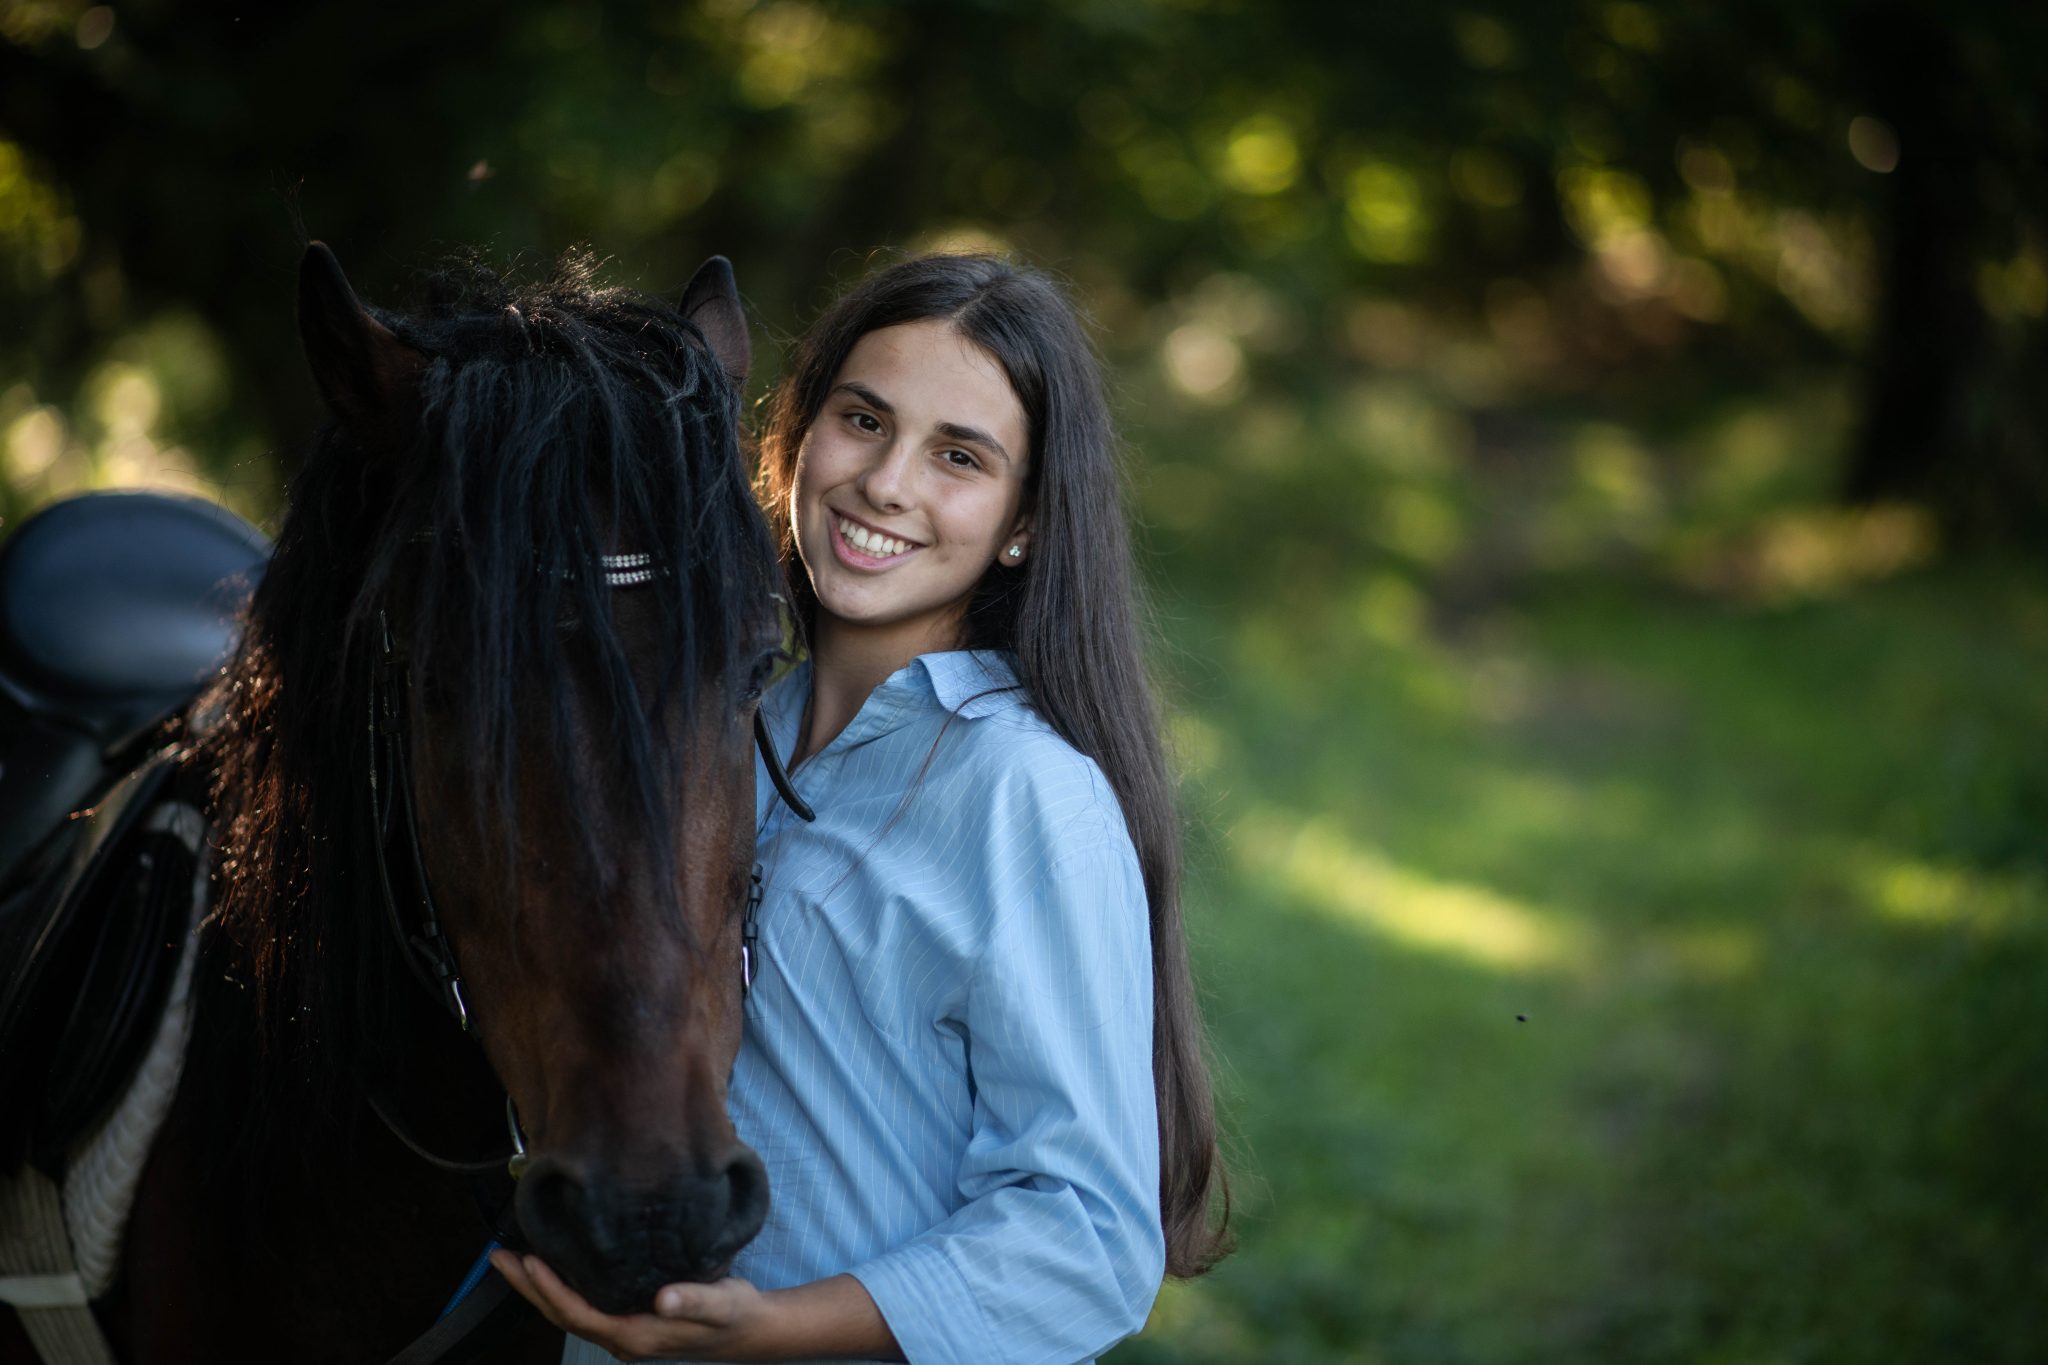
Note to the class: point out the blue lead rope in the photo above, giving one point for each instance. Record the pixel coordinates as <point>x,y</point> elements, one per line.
<point>473,1279</point>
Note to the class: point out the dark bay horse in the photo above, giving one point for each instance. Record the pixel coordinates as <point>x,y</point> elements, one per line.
<point>521,603</point>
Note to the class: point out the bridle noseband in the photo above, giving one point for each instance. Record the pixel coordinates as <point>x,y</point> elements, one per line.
<point>424,944</point>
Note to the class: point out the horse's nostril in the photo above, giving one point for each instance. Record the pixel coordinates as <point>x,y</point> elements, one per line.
<point>551,1201</point>
<point>747,1192</point>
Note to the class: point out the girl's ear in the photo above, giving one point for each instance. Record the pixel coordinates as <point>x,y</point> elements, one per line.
<point>1016,547</point>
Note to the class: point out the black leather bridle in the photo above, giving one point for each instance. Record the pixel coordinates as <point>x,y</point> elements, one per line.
<point>394,821</point>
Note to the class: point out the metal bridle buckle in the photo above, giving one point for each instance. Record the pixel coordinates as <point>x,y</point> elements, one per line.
<point>515,1165</point>
<point>750,931</point>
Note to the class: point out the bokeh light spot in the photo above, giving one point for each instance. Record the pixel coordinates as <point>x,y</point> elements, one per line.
<point>1384,214</point>
<point>1632,25</point>
<point>1600,203</point>
<point>1419,523</point>
<point>95,26</point>
<point>1483,42</point>
<point>1632,264</point>
<point>32,444</point>
<point>964,238</point>
<point>1204,362</point>
<point>1261,156</point>
<point>1391,610</point>
<point>35,222</point>
<point>1816,272</point>
<point>2015,289</point>
<point>1873,143</point>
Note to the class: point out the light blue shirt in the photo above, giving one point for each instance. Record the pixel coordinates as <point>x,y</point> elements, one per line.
<point>947,1061</point>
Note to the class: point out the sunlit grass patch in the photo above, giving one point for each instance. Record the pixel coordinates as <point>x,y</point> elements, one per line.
<point>1918,892</point>
<point>1324,872</point>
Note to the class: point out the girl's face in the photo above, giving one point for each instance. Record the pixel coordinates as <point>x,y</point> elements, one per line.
<point>909,485</point>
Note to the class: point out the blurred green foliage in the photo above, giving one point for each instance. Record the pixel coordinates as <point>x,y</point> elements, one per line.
<point>1580,199</point>
<point>1574,442</point>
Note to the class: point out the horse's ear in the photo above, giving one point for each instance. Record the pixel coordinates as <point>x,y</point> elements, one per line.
<point>367,375</point>
<point>713,302</point>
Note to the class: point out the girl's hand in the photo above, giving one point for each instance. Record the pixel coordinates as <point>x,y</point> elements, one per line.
<point>721,1321</point>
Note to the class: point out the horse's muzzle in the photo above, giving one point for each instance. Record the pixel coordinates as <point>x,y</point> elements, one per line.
<point>617,1245</point>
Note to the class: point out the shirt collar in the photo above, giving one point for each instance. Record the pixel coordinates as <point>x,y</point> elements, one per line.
<point>973,682</point>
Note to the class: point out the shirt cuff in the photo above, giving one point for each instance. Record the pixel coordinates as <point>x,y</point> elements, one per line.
<point>928,1305</point>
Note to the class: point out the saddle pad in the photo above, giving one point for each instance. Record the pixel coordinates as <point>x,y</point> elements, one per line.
<point>60,1250</point>
<point>106,1165</point>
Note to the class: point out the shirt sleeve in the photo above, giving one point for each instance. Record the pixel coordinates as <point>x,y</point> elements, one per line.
<point>1057,1253</point>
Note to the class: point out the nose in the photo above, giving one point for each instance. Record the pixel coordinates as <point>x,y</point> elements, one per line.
<point>885,483</point>
<point>617,1245</point>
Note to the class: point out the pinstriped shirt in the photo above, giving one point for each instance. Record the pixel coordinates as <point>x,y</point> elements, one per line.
<point>947,1061</point>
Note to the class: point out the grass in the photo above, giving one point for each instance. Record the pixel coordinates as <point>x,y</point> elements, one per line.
<point>1623,973</point>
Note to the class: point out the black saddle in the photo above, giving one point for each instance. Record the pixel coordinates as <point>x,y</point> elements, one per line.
<point>115,609</point>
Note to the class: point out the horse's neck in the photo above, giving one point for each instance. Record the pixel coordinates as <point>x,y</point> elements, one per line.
<point>278,1219</point>
<point>277,1209</point>
<point>278,1098</point>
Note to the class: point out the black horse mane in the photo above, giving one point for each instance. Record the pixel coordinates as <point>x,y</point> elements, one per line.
<point>558,421</point>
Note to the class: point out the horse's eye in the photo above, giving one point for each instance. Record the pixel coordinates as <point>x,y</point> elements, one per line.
<point>761,674</point>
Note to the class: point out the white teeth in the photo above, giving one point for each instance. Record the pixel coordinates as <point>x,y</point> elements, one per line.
<point>871,542</point>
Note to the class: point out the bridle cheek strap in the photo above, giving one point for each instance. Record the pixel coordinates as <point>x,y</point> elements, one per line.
<point>425,949</point>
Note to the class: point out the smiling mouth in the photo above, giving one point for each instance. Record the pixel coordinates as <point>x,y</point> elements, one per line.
<point>868,544</point>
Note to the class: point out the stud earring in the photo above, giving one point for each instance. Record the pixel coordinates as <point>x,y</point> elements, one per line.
<point>1016,552</point>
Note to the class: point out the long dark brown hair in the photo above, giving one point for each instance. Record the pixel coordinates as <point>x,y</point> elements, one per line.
<point>1071,614</point>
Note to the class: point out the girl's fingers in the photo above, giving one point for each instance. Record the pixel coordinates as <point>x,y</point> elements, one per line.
<point>684,1301</point>
<point>558,1303</point>
<point>508,1265</point>
<point>634,1338</point>
<point>628,1338</point>
<point>576,1312</point>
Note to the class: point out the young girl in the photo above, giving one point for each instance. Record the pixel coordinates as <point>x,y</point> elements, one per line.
<point>973,1060</point>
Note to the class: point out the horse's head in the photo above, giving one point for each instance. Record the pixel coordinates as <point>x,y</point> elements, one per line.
<point>537,498</point>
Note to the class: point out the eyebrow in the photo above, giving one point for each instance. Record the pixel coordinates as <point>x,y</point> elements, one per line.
<point>954,430</point>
